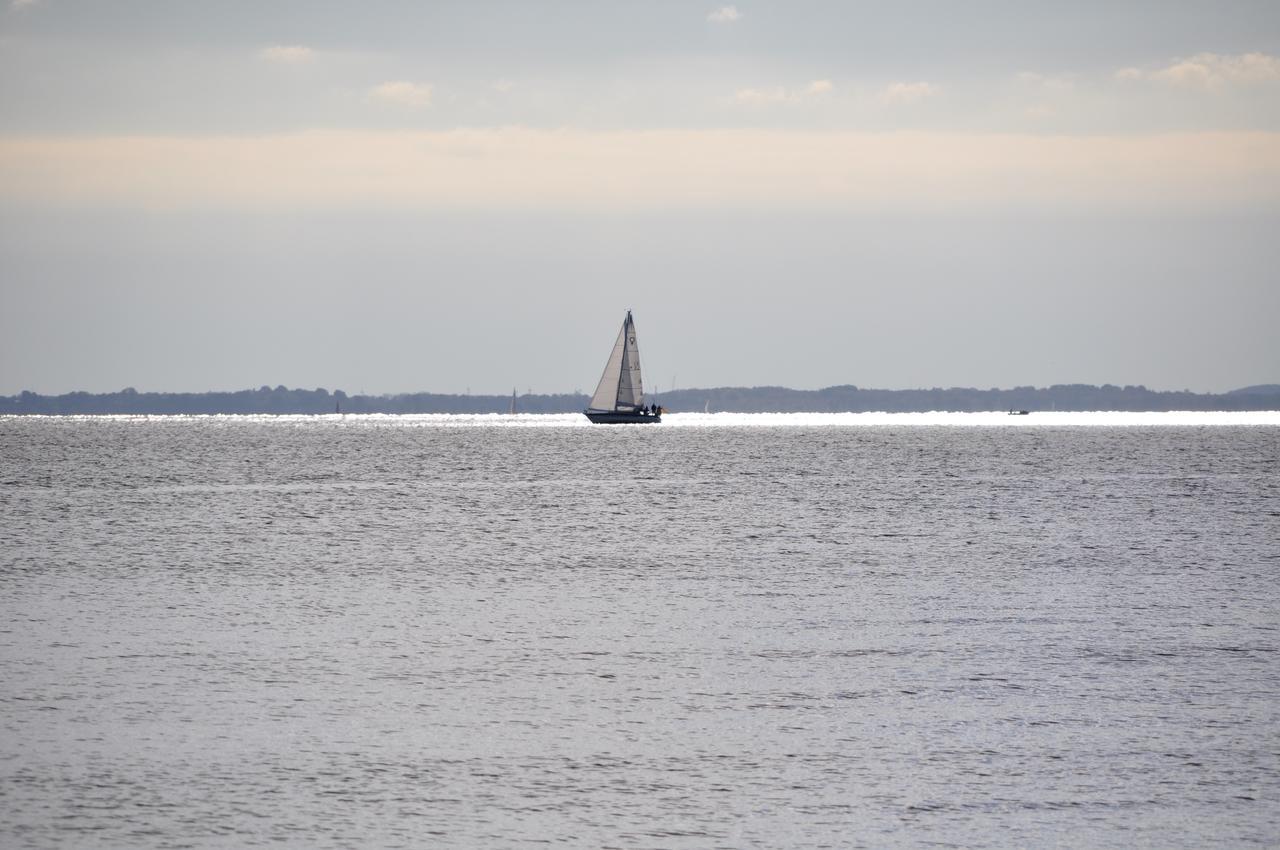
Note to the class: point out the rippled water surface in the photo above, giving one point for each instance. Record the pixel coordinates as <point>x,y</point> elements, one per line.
<point>422,632</point>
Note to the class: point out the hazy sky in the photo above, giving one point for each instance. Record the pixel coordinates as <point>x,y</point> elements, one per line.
<point>392,197</point>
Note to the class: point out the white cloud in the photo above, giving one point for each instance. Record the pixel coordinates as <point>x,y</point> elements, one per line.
<point>22,4</point>
<point>1047,82</point>
<point>903,93</point>
<point>761,97</point>
<point>1211,71</point>
<point>724,15</point>
<point>781,94</point>
<point>290,54</point>
<point>521,168</point>
<point>403,93</point>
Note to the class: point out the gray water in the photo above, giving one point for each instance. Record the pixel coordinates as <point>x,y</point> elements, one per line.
<point>348,633</point>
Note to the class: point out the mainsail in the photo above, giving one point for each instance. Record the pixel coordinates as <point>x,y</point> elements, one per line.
<point>620,387</point>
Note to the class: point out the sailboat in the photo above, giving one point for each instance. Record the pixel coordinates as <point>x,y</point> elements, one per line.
<point>619,398</point>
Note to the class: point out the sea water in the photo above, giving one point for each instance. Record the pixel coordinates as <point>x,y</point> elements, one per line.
<point>723,631</point>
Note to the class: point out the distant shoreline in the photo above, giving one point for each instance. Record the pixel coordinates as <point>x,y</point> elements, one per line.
<point>839,399</point>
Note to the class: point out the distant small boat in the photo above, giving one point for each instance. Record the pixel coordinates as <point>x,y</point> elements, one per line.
<point>619,398</point>
<point>1019,412</point>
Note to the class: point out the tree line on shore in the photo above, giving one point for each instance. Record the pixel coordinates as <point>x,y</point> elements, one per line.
<point>847,398</point>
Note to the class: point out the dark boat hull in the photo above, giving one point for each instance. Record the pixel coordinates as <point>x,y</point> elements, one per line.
<point>615,417</point>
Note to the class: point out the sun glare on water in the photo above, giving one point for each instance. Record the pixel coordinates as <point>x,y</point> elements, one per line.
<point>991,419</point>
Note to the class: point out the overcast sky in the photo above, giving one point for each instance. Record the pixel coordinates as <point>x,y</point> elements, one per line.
<point>394,197</point>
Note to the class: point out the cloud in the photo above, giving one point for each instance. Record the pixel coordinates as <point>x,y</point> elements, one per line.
<point>520,168</point>
<point>403,93</point>
<point>293,54</point>
<point>1211,71</point>
<point>724,15</point>
<point>781,94</point>
<point>22,4</point>
<point>904,93</point>
<point>759,97</point>
<point>1047,82</point>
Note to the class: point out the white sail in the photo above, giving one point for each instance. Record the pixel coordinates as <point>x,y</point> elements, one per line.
<point>630,390</point>
<point>606,395</point>
<point>620,387</point>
